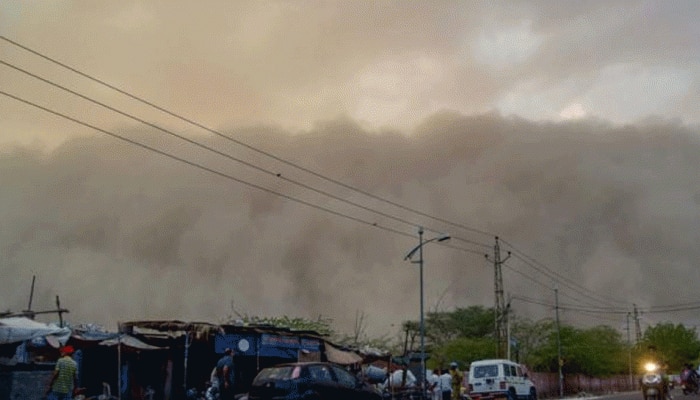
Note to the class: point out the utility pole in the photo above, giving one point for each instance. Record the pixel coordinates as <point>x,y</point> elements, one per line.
<point>559,359</point>
<point>28,311</point>
<point>500,306</point>
<point>638,329</point>
<point>60,311</point>
<point>629,348</point>
<point>31,314</point>
<point>508,337</point>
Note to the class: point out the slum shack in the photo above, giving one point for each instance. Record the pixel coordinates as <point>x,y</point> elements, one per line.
<point>27,348</point>
<point>157,360</point>
<point>112,363</point>
<point>194,348</point>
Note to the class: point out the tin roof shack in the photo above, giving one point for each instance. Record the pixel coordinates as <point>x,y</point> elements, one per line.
<point>102,354</point>
<point>188,356</point>
<point>196,347</point>
<point>26,346</point>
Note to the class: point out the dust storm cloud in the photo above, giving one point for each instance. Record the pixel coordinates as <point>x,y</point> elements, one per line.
<point>121,233</point>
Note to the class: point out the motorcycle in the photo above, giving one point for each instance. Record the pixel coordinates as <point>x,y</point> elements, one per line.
<point>689,383</point>
<point>653,385</point>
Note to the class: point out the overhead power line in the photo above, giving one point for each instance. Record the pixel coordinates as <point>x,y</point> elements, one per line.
<point>209,148</point>
<point>572,307</point>
<point>581,290</point>
<point>216,172</point>
<point>610,311</point>
<point>539,267</point>
<point>243,144</point>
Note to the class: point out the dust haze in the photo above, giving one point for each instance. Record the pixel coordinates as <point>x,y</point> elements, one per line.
<point>570,130</point>
<point>122,233</point>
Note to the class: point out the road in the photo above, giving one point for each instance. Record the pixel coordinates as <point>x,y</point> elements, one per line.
<point>676,393</point>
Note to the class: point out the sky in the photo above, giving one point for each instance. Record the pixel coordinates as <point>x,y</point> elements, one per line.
<point>197,161</point>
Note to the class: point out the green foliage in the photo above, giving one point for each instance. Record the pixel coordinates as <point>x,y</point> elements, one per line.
<point>462,335</point>
<point>463,350</point>
<point>472,322</point>
<point>320,325</point>
<point>675,344</point>
<point>466,334</point>
<point>533,344</point>
<point>598,351</point>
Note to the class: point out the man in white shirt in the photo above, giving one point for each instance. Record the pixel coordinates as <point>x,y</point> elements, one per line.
<point>446,385</point>
<point>434,388</point>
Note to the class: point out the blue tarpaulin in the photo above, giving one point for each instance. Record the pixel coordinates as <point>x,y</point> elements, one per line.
<point>266,345</point>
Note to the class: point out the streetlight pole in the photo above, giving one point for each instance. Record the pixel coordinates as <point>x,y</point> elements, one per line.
<point>419,248</point>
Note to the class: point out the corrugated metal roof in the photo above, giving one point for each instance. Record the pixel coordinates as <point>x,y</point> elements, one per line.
<point>337,356</point>
<point>130,341</point>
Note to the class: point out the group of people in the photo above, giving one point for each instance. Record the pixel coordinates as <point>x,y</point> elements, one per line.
<point>442,384</point>
<point>64,379</point>
<point>445,384</point>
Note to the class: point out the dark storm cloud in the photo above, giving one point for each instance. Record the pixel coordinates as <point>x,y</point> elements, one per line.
<point>121,233</point>
<point>292,63</point>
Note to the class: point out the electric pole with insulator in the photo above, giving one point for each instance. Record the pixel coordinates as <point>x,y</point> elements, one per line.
<point>500,312</point>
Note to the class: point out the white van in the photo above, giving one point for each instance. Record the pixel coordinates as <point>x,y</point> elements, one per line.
<point>498,378</point>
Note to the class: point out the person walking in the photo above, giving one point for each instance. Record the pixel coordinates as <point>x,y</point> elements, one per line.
<point>64,379</point>
<point>456,375</point>
<point>224,373</point>
<point>446,385</point>
<point>434,385</point>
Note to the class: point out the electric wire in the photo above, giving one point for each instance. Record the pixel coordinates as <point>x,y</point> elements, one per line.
<point>278,175</point>
<point>279,159</point>
<point>560,279</point>
<point>241,143</point>
<point>194,123</point>
<point>571,307</point>
<point>213,171</point>
<point>686,307</point>
<point>536,265</point>
<point>530,278</point>
<point>546,286</point>
<point>213,150</point>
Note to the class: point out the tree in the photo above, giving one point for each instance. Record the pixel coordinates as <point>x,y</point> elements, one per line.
<point>597,351</point>
<point>463,350</point>
<point>676,344</point>
<point>441,327</point>
<point>528,336</point>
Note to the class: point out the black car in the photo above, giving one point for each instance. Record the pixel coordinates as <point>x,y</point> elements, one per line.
<point>310,381</point>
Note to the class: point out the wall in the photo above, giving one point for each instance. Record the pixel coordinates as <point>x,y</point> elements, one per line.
<point>24,385</point>
<point>548,384</point>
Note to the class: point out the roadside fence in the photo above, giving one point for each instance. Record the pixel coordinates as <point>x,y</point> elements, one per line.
<point>580,385</point>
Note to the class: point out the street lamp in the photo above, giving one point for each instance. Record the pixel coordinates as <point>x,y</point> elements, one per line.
<point>410,254</point>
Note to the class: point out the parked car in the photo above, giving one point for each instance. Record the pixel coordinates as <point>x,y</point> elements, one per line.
<point>310,381</point>
<point>489,379</point>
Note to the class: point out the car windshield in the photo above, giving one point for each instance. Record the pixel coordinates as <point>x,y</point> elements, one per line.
<point>276,374</point>
<point>486,371</point>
